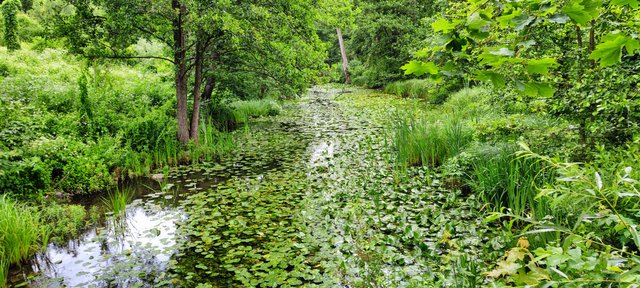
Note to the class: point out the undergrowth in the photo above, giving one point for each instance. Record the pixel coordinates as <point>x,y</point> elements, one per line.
<point>22,233</point>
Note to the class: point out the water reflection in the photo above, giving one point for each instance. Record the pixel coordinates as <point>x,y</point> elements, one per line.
<point>109,256</point>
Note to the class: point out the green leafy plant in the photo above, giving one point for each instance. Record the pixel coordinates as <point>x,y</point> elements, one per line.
<point>10,9</point>
<point>21,233</point>
<point>520,46</point>
<point>65,221</point>
<point>591,200</point>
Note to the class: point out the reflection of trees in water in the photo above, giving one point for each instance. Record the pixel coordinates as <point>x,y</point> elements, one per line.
<point>139,267</point>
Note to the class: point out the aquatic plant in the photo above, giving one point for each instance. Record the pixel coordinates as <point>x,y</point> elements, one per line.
<point>21,233</point>
<point>4,271</point>
<point>429,142</point>
<point>116,201</point>
<point>505,180</point>
<point>211,144</point>
<point>243,110</point>
<point>64,220</point>
<point>416,88</point>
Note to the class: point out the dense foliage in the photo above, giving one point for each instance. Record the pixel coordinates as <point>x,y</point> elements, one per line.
<point>10,10</point>
<point>508,157</point>
<point>544,54</point>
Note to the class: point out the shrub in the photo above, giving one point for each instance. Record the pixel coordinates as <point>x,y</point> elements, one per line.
<point>594,199</point>
<point>65,221</point>
<point>4,69</point>
<point>24,178</point>
<point>10,9</point>
<point>222,117</point>
<point>470,103</point>
<point>85,175</point>
<point>142,133</point>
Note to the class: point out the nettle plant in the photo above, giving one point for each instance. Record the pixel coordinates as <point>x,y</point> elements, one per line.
<point>568,54</point>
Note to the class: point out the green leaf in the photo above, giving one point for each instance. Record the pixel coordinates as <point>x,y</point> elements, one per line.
<point>442,25</point>
<point>505,19</point>
<point>496,79</point>
<point>558,18</point>
<point>522,22</point>
<point>541,66</point>
<point>419,68</point>
<point>478,26</point>
<point>609,51</point>
<point>582,11</point>
<point>631,3</point>
<point>534,89</point>
<point>477,22</point>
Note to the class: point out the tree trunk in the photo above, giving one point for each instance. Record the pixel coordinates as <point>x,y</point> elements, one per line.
<point>195,117</point>
<point>210,83</point>
<point>180,60</point>
<point>592,40</point>
<point>579,36</point>
<point>592,36</point>
<point>345,61</point>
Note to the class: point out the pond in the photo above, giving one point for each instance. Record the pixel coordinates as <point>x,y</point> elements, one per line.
<point>310,197</point>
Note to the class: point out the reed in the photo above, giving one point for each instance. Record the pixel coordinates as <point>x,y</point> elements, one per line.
<point>116,201</point>
<point>21,232</point>
<point>256,108</point>
<point>4,271</point>
<point>429,142</point>
<point>505,180</point>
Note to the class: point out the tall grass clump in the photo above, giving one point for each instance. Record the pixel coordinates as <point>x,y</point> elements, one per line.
<point>470,103</point>
<point>4,271</point>
<point>212,143</point>
<point>503,179</point>
<point>414,88</point>
<point>254,108</point>
<point>116,201</point>
<point>426,142</point>
<point>21,234</point>
<point>228,115</point>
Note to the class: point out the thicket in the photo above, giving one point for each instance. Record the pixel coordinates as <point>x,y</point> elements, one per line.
<point>72,129</point>
<point>559,207</point>
<point>576,59</point>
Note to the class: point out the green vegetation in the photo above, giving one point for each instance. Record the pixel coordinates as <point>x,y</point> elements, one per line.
<point>116,202</point>
<point>65,221</point>
<point>243,110</point>
<point>229,114</point>
<point>432,92</point>
<point>22,233</point>
<point>10,10</point>
<point>504,180</point>
<point>500,149</point>
<point>430,141</point>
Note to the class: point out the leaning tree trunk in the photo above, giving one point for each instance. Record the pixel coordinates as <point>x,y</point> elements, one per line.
<point>209,84</point>
<point>180,60</point>
<point>195,117</point>
<point>345,61</point>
